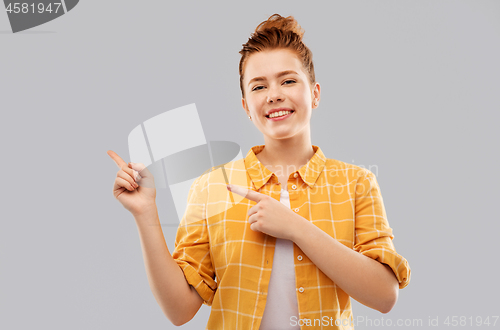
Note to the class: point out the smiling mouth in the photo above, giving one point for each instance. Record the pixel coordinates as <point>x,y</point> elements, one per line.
<point>287,112</point>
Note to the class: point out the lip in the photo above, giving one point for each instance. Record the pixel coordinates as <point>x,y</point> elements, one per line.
<point>282,117</point>
<point>278,109</point>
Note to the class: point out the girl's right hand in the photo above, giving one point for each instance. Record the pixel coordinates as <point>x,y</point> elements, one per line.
<point>134,186</point>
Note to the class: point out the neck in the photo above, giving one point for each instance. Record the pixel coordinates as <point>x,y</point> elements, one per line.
<point>288,154</point>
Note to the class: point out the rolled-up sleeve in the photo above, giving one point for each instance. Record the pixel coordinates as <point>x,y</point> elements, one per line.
<point>373,237</point>
<point>192,245</point>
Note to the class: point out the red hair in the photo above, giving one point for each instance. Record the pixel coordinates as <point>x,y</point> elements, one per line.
<point>278,32</point>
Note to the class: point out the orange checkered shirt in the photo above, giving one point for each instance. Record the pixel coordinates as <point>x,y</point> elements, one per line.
<point>230,265</point>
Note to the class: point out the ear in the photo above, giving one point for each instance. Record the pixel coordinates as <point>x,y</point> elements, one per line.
<point>244,105</point>
<point>316,95</point>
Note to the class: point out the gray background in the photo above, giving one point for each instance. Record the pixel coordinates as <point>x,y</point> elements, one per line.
<point>409,87</point>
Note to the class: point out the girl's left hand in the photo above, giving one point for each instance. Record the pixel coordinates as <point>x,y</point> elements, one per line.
<point>269,216</point>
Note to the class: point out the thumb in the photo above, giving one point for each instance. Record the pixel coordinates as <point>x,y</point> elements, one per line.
<point>139,170</point>
<point>137,166</point>
<point>142,175</point>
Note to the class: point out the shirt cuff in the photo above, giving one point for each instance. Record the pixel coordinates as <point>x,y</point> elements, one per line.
<point>206,291</point>
<point>398,264</point>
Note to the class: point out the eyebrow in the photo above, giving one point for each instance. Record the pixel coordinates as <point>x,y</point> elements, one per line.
<point>279,74</point>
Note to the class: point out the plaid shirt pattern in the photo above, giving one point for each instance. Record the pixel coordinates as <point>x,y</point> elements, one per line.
<point>230,265</point>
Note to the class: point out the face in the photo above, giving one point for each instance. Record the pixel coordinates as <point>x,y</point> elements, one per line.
<point>276,80</point>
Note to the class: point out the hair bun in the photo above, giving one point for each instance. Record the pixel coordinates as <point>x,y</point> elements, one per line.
<point>277,32</point>
<point>282,23</point>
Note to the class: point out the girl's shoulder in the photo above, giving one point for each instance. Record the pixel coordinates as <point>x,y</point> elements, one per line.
<point>233,171</point>
<point>340,168</point>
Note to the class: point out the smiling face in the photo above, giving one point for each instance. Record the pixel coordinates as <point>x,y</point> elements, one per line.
<point>275,79</point>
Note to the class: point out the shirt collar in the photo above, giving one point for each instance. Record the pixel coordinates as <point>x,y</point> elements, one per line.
<point>259,174</point>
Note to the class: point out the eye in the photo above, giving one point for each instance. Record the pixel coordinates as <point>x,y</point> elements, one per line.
<point>289,81</point>
<point>256,88</point>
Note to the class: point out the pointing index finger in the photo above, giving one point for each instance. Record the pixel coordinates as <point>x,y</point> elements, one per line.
<point>244,192</point>
<point>118,160</point>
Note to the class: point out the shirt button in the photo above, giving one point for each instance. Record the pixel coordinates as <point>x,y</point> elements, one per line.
<point>299,257</point>
<point>294,186</point>
<point>295,175</point>
<point>301,289</point>
<point>296,210</point>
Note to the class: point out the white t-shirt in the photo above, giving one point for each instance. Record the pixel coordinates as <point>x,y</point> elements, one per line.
<point>281,303</point>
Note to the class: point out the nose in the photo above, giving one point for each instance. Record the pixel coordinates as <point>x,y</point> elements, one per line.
<point>274,95</point>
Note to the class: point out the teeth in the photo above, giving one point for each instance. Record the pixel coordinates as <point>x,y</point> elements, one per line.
<point>279,114</point>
